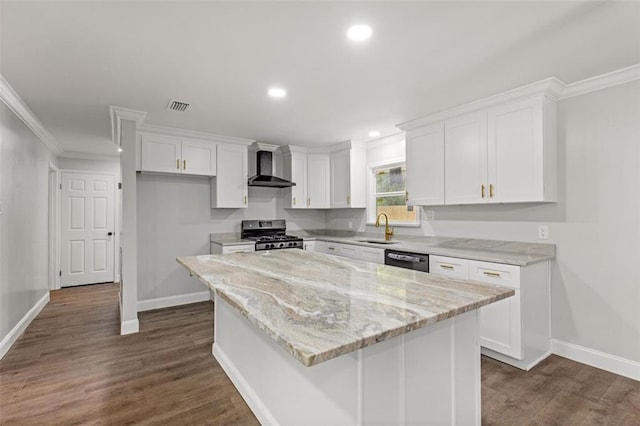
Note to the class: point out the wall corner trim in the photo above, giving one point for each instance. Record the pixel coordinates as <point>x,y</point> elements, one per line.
<point>118,114</point>
<point>602,81</point>
<point>14,102</point>
<point>22,325</point>
<point>129,327</point>
<point>612,363</point>
<point>167,302</point>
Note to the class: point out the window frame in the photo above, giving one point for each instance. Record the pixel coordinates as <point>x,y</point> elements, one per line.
<point>372,194</point>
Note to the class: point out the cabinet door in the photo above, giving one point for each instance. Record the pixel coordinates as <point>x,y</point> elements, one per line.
<point>309,245</point>
<point>318,181</point>
<point>515,152</point>
<point>198,158</point>
<point>299,177</point>
<point>160,154</point>
<point>340,179</point>
<point>425,166</point>
<point>466,159</point>
<point>500,323</point>
<point>231,181</point>
<point>348,250</point>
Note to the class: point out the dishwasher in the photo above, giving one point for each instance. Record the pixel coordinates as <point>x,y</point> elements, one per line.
<point>406,260</point>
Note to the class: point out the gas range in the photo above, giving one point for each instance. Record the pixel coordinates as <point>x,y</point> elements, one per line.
<point>269,234</point>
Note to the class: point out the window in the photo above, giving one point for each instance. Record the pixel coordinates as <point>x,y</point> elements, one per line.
<point>389,195</point>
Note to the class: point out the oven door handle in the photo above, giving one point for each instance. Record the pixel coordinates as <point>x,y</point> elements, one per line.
<point>404,257</point>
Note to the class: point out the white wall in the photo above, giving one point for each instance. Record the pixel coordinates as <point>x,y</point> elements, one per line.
<point>175,219</point>
<point>24,168</point>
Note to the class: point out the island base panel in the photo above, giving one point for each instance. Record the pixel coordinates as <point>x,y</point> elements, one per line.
<point>427,376</point>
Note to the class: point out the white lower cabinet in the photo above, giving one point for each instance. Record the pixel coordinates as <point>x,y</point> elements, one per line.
<point>309,245</point>
<point>241,248</point>
<point>353,251</point>
<point>515,330</point>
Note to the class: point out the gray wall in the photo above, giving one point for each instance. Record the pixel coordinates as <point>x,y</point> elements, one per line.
<point>175,219</point>
<point>595,224</point>
<point>24,169</point>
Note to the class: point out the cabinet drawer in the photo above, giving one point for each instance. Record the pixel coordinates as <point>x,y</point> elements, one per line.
<point>372,255</point>
<point>348,250</point>
<point>449,267</point>
<point>495,273</point>
<point>239,249</point>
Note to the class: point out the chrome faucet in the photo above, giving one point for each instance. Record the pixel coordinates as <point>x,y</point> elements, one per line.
<point>388,232</point>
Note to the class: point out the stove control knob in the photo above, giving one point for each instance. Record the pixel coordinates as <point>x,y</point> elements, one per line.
<point>281,245</point>
<point>269,246</point>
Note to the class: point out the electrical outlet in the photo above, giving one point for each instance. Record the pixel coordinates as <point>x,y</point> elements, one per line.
<point>543,232</point>
<point>428,214</point>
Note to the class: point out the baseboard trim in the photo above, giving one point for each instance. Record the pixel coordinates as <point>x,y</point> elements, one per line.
<point>249,395</point>
<point>22,325</point>
<point>129,327</point>
<point>612,363</point>
<point>167,302</point>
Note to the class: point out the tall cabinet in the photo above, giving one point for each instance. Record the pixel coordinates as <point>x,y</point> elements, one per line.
<point>348,176</point>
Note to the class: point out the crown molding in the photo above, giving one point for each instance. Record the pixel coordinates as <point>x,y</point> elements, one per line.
<point>551,87</point>
<point>77,155</point>
<point>14,102</point>
<point>603,81</point>
<point>192,134</point>
<point>118,114</point>
<point>261,146</point>
<point>396,137</point>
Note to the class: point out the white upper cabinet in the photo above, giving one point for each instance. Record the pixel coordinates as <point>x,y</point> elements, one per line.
<point>159,154</point>
<point>229,188</point>
<point>318,169</point>
<point>295,170</point>
<point>198,158</point>
<point>521,156</point>
<point>501,149</point>
<point>425,165</point>
<point>348,177</point>
<point>165,154</point>
<point>310,172</point>
<point>466,159</point>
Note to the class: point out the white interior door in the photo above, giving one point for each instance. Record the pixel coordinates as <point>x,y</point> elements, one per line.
<point>87,228</point>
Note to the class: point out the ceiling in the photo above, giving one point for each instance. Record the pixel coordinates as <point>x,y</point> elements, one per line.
<point>70,60</point>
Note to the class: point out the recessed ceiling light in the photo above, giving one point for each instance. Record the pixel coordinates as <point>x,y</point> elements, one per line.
<point>277,92</point>
<point>359,32</point>
<point>374,133</point>
<point>119,149</point>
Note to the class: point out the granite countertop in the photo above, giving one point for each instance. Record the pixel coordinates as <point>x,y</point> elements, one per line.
<point>506,252</point>
<point>318,306</point>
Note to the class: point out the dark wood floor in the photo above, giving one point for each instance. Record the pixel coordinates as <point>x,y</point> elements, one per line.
<point>72,367</point>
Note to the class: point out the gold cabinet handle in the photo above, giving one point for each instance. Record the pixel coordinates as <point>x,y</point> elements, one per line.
<point>331,248</point>
<point>244,199</point>
<point>348,199</point>
<point>406,195</point>
<point>294,201</point>
<point>482,190</point>
<point>184,164</point>
<point>309,201</point>
<point>446,267</point>
<point>491,190</point>
<point>178,164</point>
<point>492,274</point>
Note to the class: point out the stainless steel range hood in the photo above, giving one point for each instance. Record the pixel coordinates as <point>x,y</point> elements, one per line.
<point>264,173</point>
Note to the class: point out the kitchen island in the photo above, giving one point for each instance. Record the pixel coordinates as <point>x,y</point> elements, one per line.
<point>309,338</point>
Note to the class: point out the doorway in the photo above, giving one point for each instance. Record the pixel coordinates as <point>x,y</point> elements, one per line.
<point>87,228</point>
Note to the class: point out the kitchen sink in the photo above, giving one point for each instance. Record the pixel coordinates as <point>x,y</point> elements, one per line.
<point>378,241</point>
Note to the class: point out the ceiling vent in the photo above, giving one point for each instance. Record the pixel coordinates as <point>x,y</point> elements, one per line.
<point>177,106</point>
